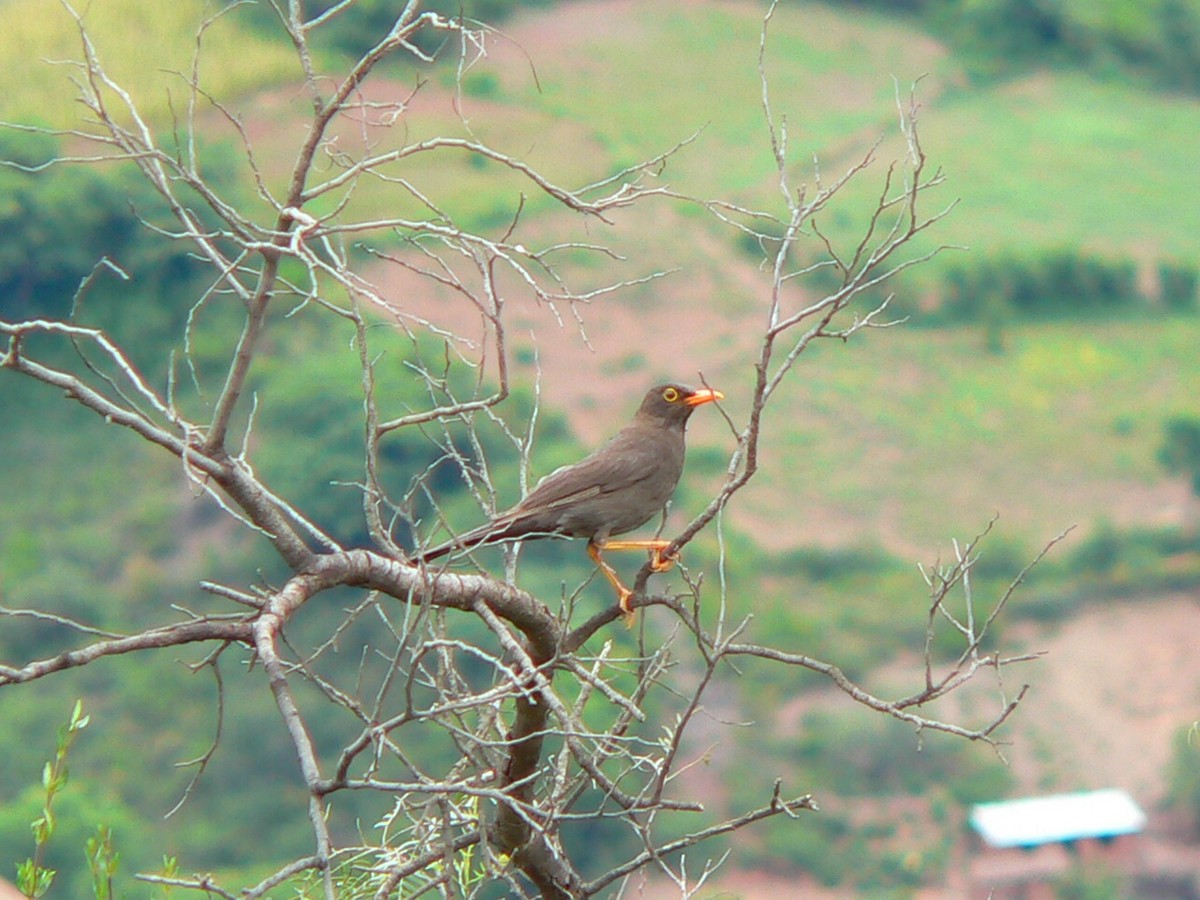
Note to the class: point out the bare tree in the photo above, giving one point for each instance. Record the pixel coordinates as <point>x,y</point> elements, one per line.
<point>557,732</point>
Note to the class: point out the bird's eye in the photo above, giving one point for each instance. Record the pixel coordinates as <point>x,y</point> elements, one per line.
<point>670,395</point>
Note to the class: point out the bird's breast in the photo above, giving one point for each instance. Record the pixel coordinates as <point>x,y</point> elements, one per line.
<point>635,480</point>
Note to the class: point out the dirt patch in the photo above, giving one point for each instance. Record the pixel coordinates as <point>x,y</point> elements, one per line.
<point>1117,683</point>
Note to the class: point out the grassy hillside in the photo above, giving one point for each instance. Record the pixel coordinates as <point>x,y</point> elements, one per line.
<point>1052,158</point>
<point>902,439</point>
<point>920,436</point>
<point>1057,159</point>
<point>915,435</point>
<point>147,47</point>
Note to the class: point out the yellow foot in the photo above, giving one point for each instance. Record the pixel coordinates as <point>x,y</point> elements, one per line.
<point>629,613</point>
<point>661,563</point>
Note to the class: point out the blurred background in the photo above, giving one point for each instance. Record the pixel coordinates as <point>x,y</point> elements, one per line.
<point>1046,372</point>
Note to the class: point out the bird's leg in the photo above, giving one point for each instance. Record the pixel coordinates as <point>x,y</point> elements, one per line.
<point>656,546</point>
<point>623,593</point>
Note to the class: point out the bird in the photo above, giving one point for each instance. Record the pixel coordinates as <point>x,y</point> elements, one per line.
<point>615,489</point>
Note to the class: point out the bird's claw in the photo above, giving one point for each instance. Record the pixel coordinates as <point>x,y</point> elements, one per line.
<point>624,595</point>
<point>660,562</point>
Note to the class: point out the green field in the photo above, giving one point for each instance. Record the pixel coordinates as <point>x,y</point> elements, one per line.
<point>147,48</point>
<point>917,436</point>
<point>1050,159</point>
<point>1053,158</point>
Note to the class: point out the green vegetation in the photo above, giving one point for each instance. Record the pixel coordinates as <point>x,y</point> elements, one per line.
<point>1180,449</point>
<point>1092,882</point>
<point>148,47</point>
<point>361,27</point>
<point>1058,284</point>
<point>1108,147</point>
<point>1158,40</point>
<point>61,223</point>
<point>1049,434</point>
<point>1049,284</point>
<point>885,796</point>
<point>59,827</point>
<point>34,878</point>
<point>1178,284</point>
<point>1183,780</point>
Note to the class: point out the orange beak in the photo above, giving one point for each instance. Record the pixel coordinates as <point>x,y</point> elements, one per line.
<point>704,395</point>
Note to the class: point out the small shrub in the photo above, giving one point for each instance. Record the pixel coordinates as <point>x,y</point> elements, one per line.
<point>481,84</point>
<point>1183,775</point>
<point>1052,284</point>
<point>1179,452</point>
<point>1177,286</point>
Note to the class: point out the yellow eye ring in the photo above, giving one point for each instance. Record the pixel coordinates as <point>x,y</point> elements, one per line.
<point>671,395</point>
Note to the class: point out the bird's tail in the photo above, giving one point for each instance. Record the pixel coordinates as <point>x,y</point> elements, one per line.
<point>490,533</point>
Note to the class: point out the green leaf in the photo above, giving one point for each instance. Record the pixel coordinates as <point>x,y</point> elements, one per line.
<point>32,880</point>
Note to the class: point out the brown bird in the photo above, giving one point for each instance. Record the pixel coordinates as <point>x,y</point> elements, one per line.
<point>615,489</point>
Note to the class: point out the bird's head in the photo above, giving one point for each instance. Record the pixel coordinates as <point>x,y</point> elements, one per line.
<point>673,403</point>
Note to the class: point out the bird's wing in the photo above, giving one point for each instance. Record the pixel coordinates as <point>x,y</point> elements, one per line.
<point>619,464</point>
<point>561,489</point>
<point>624,462</point>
